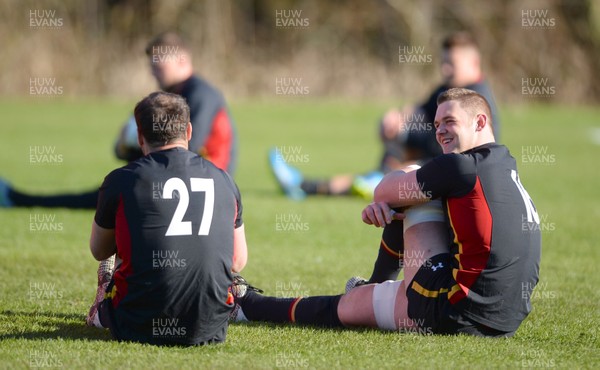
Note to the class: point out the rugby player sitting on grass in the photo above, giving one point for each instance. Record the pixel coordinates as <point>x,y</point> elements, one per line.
<point>470,266</point>
<point>175,251</point>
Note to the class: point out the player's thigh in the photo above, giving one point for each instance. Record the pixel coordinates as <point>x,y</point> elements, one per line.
<point>421,242</point>
<point>401,309</point>
<point>356,307</point>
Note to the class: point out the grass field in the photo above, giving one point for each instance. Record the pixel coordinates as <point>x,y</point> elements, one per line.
<point>47,278</point>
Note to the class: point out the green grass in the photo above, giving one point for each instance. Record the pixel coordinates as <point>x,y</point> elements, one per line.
<point>562,330</point>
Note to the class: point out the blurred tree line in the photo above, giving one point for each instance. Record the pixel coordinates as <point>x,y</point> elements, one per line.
<point>346,48</point>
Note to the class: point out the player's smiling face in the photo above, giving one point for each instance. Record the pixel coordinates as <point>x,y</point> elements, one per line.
<point>454,127</point>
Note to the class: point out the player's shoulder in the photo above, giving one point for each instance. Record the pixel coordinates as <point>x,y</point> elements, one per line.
<point>455,162</point>
<point>483,88</point>
<point>203,164</point>
<point>199,86</point>
<point>432,99</point>
<point>222,179</point>
<point>490,151</point>
<point>119,176</point>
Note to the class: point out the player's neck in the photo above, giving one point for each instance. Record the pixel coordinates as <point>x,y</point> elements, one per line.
<point>179,144</point>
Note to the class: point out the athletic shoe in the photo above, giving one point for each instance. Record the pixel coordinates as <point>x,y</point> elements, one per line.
<point>4,194</point>
<point>105,273</point>
<point>355,281</point>
<point>238,289</point>
<point>364,185</point>
<point>288,177</point>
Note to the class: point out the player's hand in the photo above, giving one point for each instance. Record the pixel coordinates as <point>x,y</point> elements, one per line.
<point>379,214</point>
<point>391,124</point>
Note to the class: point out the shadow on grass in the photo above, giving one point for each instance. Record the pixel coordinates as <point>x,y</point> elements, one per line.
<point>52,325</point>
<point>49,325</point>
<point>294,326</point>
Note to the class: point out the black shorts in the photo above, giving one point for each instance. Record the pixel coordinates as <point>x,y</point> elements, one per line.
<point>429,306</point>
<point>107,320</point>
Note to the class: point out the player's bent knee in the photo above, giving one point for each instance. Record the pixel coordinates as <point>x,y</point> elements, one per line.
<point>355,308</point>
<point>431,211</point>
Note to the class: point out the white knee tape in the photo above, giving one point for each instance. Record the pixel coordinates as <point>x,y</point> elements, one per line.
<point>384,302</point>
<point>426,212</point>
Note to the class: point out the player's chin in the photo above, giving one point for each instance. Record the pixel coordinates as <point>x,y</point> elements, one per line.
<point>449,148</point>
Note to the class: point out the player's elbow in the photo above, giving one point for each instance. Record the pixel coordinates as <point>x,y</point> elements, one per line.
<point>97,252</point>
<point>379,194</point>
<point>239,263</point>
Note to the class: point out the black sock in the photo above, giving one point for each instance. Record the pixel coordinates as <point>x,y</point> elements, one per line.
<point>315,187</point>
<point>81,201</point>
<point>319,311</point>
<point>321,187</point>
<point>391,253</point>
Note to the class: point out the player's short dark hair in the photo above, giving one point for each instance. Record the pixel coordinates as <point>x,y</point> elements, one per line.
<point>469,100</point>
<point>162,118</point>
<point>164,41</point>
<point>459,39</point>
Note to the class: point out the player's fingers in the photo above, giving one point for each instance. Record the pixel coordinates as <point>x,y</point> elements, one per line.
<point>387,214</point>
<point>365,217</point>
<point>373,215</point>
<point>382,219</point>
<point>369,216</point>
<point>382,213</point>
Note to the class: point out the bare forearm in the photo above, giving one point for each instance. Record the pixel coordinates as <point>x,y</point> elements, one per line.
<point>240,249</point>
<point>400,189</point>
<point>102,242</point>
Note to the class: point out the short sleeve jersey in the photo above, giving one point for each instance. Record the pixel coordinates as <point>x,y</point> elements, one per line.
<point>494,228</point>
<point>174,215</point>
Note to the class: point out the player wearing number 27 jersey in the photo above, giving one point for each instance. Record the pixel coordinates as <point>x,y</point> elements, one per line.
<point>174,216</point>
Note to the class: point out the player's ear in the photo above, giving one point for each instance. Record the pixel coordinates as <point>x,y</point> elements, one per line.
<point>188,131</point>
<point>481,121</point>
<point>140,138</point>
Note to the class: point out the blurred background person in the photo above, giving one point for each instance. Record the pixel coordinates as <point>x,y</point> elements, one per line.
<point>407,135</point>
<point>214,135</point>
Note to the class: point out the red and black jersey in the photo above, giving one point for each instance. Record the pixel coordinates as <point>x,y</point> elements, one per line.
<point>174,215</point>
<point>213,131</point>
<point>494,228</point>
